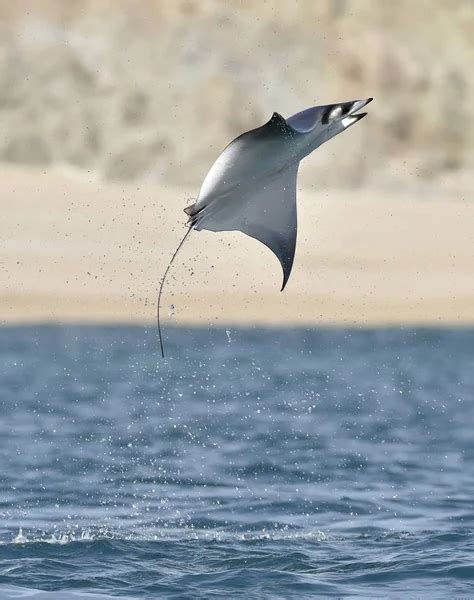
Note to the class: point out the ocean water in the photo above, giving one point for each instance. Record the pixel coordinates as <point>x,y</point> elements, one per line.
<point>254,463</point>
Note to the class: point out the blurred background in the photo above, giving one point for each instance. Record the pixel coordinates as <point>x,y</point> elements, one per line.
<point>151,91</point>
<point>112,111</point>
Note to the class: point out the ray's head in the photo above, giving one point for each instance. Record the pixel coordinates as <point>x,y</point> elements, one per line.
<point>326,121</point>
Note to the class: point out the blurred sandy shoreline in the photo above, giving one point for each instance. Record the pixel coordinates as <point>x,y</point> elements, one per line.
<point>146,95</point>
<point>78,251</point>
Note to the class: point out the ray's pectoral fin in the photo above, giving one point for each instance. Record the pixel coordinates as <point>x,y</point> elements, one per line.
<point>267,212</point>
<point>283,246</point>
<point>270,217</point>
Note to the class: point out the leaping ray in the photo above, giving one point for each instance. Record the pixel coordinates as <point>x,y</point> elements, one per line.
<point>252,185</point>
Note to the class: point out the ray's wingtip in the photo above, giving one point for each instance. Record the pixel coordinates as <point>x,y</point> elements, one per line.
<point>286,267</point>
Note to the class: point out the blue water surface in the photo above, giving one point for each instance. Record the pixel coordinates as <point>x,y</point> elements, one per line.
<point>255,463</point>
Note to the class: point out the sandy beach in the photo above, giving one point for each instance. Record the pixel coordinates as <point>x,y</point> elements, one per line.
<point>80,251</point>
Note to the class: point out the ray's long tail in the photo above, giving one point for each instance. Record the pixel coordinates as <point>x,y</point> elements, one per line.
<point>161,289</point>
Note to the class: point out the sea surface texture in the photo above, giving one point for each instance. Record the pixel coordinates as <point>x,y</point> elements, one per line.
<point>253,463</point>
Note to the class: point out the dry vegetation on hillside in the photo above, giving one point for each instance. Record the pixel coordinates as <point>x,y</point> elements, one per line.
<point>153,90</point>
